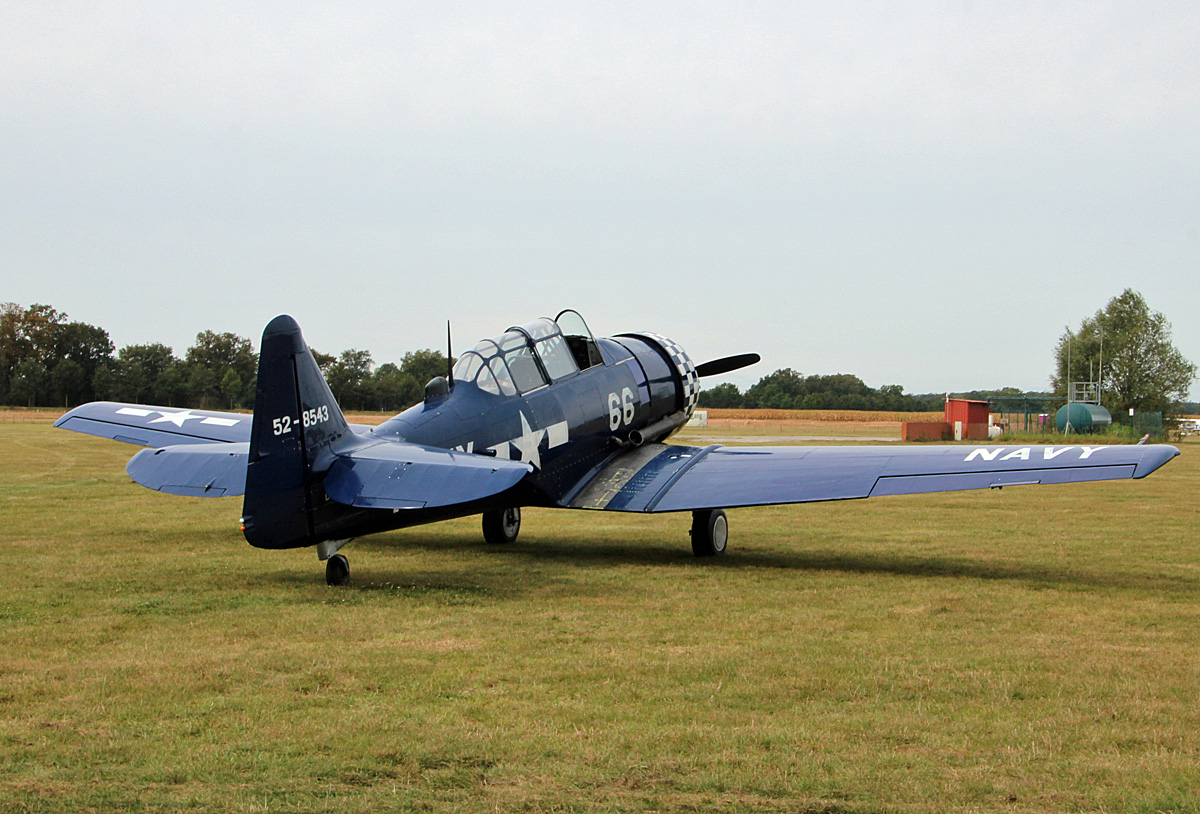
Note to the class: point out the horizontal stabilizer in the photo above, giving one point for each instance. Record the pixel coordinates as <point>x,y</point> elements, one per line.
<point>151,426</point>
<point>677,478</point>
<point>204,470</point>
<point>390,475</point>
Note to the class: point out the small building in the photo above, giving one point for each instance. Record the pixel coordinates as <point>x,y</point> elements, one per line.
<point>967,419</point>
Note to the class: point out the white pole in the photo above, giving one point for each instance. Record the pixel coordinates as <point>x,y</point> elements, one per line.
<point>1070,336</point>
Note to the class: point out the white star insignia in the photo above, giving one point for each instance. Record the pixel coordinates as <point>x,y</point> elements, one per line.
<point>528,442</point>
<point>175,418</point>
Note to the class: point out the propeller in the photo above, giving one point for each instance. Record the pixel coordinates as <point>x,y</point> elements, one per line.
<point>718,366</point>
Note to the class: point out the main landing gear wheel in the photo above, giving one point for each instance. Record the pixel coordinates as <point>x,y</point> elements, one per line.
<point>710,533</point>
<point>337,570</point>
<point>501,526</point>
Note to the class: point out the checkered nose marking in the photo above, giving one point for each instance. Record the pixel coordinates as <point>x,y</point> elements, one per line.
<point>685,368</point>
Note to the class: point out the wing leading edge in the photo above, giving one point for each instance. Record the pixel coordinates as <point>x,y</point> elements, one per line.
<point>149,426</point>
<point>660,478</point>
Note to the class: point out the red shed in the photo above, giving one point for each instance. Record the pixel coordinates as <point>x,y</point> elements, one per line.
<point>968,419</point>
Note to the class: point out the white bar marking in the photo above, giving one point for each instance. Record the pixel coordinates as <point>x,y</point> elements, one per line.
<point>557,434</point>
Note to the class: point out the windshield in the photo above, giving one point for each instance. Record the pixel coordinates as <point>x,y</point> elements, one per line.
<point>579,339</point>
<point>529,356</point>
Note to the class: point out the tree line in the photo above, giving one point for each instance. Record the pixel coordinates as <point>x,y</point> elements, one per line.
<point>1126,347</point>
<point>787,389</point>
<point>47,360</point>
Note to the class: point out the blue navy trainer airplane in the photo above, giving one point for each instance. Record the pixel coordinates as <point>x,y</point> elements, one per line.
<point>542,415</point>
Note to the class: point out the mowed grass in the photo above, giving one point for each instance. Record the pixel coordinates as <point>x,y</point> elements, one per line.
<point>1031,649</point>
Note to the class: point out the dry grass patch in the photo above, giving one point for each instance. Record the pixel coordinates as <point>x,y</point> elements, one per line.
<point>1025,650</point>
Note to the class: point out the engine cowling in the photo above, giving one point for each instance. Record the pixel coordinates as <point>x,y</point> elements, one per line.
<point>671,384</point>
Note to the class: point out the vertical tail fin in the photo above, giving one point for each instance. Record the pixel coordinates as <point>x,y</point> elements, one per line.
<point>296,424</point>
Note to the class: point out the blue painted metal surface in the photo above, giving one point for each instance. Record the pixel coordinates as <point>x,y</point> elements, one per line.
<point>388,475</point>
<point>680,478</point>
<point>768,475</point>
<point>150,426</point>
<point>196,470</point>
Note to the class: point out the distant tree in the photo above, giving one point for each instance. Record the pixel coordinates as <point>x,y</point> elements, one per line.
<point>10,354</point>
<point>786,389</point>
<point>204,387</point>
<point>323,360</point>
<point>69,383</point>
<point>87,346</point>
<point>37,331</point>
<point>232,388</point>
<point>27,335</point>
<point>837,391</point>
<point>30,381</point>
<point>892,397</point>
<point>394,389</point>
<point>105,385</point>
<point>150,374</point>
<point>927,402</point>
<point>1142,369</point>
<point>145,374</point>
<point>349,379</point>
<point>723,395</point>
<point>777,391</point>
<point>171,388</point>
<point>424,365</point>
<point>211,357</point>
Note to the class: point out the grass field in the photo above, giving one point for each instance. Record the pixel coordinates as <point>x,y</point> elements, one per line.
<point>1032,649</point>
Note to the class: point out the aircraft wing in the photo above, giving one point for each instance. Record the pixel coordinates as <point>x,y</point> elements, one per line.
<point>396,475</point>
<point>662,478</point>
<point>196,470</point>
<point>159,427</point>
<point>150,426</point>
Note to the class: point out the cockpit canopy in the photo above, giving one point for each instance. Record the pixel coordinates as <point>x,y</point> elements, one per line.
<point>529,356</point>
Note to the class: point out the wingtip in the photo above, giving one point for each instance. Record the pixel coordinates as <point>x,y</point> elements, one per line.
<point>69,414</point>
<point>1156,456</point>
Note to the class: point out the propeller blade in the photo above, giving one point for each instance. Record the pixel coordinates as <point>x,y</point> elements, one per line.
<point>718,366</point>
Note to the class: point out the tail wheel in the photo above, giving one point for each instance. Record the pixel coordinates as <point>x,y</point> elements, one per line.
<point>501,526</point>
<point>337,570</point>
<point>710,532</point>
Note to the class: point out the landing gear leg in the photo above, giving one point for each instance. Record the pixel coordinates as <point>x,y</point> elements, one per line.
<point>337,570</point>
<point>710,532</point>
<point>501,526</point>
<point>337,567</point>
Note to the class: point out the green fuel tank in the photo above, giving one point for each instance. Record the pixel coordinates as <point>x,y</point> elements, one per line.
<point>1082,417</point>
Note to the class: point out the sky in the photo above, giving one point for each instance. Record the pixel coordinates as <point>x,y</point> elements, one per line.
<point>924,194</point>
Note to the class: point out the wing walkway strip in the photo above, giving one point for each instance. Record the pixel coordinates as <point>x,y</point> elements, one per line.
<point>679,473</point>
